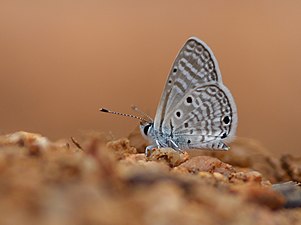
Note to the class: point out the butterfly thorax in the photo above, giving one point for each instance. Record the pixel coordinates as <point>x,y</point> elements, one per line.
<point>158,138</point>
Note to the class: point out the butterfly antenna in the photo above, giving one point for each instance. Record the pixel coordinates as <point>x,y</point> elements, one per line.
<point>122,114</point>
<point>135,108</point>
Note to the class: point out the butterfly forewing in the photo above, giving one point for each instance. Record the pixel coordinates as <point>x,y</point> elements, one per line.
<point>194,66</point>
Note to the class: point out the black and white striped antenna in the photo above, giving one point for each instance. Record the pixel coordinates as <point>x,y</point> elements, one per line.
<point>123,114</point>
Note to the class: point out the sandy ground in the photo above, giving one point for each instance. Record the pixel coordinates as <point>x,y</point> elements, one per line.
<point>94,180</point>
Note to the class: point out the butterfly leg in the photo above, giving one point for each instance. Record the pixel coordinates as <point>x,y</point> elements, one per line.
<point>175,146</point>
<point>149,148</point>
<point>158,144</point>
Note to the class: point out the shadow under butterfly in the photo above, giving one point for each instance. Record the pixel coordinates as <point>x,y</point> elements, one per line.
<point>196,110</point>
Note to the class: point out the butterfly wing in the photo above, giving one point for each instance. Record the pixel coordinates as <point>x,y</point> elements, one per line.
<point>205,117</point>
<point>195,65</point>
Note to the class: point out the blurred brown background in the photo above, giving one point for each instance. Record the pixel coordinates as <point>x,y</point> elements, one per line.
<point>62,60</point>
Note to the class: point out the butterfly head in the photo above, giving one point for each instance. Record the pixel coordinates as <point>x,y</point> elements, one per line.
<point>146,122</point>
<point>147,129</point>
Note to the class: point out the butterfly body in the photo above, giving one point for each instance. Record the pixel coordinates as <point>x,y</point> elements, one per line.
<point>196,109</point>
<point>161,139</point>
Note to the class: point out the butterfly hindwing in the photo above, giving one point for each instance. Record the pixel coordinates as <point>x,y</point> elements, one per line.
<point>205,117</point>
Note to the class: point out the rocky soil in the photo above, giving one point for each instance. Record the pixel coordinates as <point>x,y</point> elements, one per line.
<point>96,181</point>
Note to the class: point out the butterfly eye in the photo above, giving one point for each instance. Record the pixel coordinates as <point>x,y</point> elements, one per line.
<point>146,128</point>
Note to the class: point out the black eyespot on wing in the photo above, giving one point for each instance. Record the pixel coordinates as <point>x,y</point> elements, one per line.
<point>185,125</point>
<point>188,142</point>
<point>178,114</point>
<point>226,120</point>
<point>175,70</point>
<point>189,99</point>
<point>224,136</point>
<point>146,128</point>
<point>169,81</point>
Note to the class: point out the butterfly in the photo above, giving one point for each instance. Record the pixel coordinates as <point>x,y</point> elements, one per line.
<point>196,109</point>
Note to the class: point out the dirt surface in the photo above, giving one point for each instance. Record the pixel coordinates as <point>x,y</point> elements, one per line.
<point>95,181</point>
